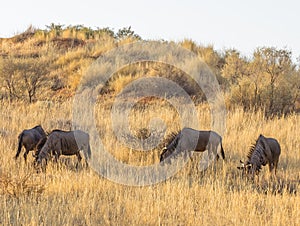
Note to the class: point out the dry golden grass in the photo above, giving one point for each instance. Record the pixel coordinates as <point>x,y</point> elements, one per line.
<point>66,196</point>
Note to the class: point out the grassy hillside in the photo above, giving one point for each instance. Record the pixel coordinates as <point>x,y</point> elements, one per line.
<point>40,71</point>
<point>38,64</point>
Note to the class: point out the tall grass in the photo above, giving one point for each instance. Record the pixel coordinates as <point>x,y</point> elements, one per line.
<point>66,195</point>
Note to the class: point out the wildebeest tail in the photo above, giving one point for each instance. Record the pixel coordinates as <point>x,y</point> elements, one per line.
<point>20,138</point>
<point>222,151</point>
<point>89,152</point>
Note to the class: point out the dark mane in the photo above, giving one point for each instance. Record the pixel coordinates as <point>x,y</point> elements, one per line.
<point>170,138</point>
<point>251,150</point>
<point>41,143</point>
<point>36,126</point>
<point>59,130</point>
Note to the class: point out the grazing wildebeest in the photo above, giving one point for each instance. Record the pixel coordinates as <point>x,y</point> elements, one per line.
<point>194,140</point>
<point>264,151</point>
<point>61,142</point>
<point>39,147</point>
<point>29,139</point>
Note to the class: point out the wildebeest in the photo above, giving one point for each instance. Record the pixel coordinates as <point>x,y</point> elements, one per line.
<point>188,140</point>
<point>264,151</point>
<point>61,142</point>
<point>29,139</point>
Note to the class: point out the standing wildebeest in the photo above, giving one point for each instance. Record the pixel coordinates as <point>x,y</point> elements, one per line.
<point>64,143</point>
<point>29,139</point>
<point>264,151</point>
<point>194,140</point>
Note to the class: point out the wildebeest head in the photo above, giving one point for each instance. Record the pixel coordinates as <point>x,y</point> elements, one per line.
<point>165,154</point>
<point>248,169</point>
<point>245,167</point>
<point>39,164</point>
<point>39,147</point>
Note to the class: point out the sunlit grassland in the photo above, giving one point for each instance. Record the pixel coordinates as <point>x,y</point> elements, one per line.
<point>65,195</point>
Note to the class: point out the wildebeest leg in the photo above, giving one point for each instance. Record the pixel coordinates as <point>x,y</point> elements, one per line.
<point>255,175</point>
<point>25,154</point>
<point>212,152</point>
<point>272,171</point>
<point>86,156</point>
<point>18,153</point>
<point>56,156</point>
<point>55,153</point>
<point>275,164</point>
<point>79,159</point>
<point>275,167</point>
<point>86,164</point>
<point>215,158</point>
<point>187,154</point>
<point>44,166</point>
<point>256,179</point>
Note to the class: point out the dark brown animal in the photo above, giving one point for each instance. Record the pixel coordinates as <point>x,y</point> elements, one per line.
<point>61,142</point>
<point>29,139</point>
<point>188,140</point>
<point>264,151</point>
